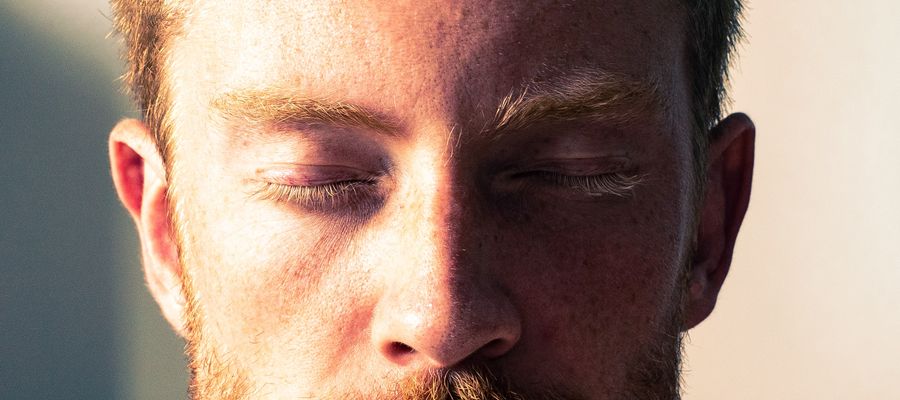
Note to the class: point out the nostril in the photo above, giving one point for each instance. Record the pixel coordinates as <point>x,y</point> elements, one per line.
<point>400,348</point>
<point>398,352</point>
<point>495,348</point>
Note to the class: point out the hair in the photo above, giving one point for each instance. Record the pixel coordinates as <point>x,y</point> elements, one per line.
<point>148,26</point>
<point>714,30</point>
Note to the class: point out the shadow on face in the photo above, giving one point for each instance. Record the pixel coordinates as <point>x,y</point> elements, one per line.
<point>362,194</point>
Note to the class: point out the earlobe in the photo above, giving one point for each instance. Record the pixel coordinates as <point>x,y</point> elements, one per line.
<point>727,196</point>
<point>139,177</point>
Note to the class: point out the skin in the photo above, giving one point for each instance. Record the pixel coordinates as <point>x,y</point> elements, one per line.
<point>450,259</point>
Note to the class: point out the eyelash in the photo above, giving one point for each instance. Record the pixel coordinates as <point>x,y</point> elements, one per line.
<point>329,196</point>
<point>359,193</point>
<point>614,184</point>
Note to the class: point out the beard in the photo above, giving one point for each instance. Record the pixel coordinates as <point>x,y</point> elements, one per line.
<point>655,374</point>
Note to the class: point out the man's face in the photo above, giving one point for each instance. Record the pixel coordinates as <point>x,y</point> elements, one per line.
<point>355,216</point>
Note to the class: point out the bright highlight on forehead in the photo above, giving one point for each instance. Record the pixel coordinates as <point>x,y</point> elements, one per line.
<point>468,53</point>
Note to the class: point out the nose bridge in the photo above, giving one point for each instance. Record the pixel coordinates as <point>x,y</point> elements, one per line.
<point>435,216</point>
<point>441,305</point>
<point>437,203</point>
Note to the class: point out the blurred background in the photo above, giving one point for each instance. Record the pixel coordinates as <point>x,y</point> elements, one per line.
<point>811,309</point>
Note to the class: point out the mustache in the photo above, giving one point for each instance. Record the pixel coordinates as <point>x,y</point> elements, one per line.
<point>474,382</point>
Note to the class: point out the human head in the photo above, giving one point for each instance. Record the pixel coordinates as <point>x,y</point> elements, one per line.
<point>345,197</point>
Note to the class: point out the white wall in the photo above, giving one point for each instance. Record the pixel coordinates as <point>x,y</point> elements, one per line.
<point>811,309</point>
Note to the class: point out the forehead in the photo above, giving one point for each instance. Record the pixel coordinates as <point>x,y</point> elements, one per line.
<point>422,55</point>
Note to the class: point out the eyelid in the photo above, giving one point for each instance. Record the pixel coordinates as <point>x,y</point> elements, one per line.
<point>591,177</point>
<point>312,175</point>
<point>606,164</point>
<point>340,198</point>
<point>574,166</point>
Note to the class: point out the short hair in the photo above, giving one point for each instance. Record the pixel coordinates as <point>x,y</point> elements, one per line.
<point>147,26</point>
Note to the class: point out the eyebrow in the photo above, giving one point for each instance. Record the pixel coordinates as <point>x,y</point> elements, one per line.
<point>268,106</point>
<point>585,94</point>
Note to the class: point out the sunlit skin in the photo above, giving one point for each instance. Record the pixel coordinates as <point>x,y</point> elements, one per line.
<point>552,251</point>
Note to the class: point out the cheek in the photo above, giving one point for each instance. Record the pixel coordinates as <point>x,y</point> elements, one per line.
<point>261,271</point>
<point>602,281</point>
<point>617,268</point>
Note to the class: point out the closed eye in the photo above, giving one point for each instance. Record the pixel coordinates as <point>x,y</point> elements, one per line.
<point>618,184</point>
<point>352,195</point>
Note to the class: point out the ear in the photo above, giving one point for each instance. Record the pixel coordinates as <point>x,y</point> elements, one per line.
<point>139,176</point>
<point>729,177</point>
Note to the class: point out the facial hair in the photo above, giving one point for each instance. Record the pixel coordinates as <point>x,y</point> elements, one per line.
<point>653,375</point>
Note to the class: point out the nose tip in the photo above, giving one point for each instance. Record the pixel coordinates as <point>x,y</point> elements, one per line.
<point>445,336</point>
<point>403,355</point>
<point>447,351</point>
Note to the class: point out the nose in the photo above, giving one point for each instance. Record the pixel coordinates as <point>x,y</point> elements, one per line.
<point>442,303</point>
<point>442,322</point>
